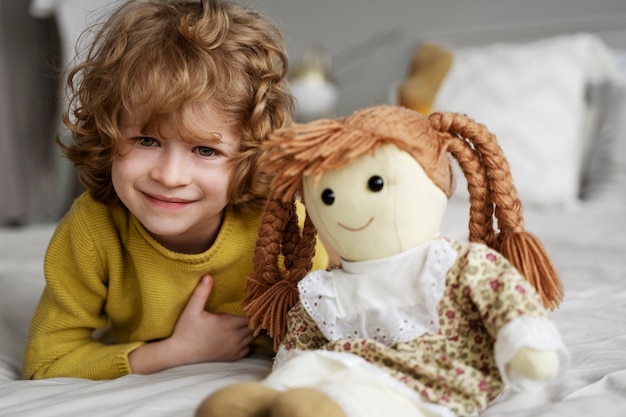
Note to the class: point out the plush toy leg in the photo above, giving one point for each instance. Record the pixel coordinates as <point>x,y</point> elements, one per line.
<point>305,402</point>
<point>364,395</point>
<point>317,384</point>
<point>247,399</point>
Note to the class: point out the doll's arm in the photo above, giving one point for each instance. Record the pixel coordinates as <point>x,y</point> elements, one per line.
<point>528,349</point>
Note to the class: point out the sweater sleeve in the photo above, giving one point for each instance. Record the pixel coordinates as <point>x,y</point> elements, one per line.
<point>60,342</point>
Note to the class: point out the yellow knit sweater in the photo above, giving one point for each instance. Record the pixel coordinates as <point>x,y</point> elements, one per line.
<point>103,268</point>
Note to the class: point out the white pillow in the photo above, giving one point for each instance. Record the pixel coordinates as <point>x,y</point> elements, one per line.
<point>532,96</point>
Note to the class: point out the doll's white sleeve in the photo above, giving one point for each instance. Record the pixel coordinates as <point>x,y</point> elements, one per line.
<point>527,331</point>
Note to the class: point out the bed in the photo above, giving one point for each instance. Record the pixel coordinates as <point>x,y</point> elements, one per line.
<point>583,229</point>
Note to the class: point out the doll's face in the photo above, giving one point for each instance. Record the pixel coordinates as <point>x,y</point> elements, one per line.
<point>375,207</point>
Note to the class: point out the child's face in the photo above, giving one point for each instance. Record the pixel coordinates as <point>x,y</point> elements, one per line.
<point>177,188</point>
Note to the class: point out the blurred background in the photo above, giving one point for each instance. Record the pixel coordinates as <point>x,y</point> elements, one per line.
<point>358,49</point>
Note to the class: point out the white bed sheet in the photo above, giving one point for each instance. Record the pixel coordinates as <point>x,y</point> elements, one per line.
<point>587,246</point>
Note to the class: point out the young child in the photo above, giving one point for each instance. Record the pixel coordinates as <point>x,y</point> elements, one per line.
<point>168,114</point>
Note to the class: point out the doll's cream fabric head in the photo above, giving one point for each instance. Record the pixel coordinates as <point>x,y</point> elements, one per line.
<point>380,204</point>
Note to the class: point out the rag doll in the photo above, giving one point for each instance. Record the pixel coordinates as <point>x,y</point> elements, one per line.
<point>411,323</point>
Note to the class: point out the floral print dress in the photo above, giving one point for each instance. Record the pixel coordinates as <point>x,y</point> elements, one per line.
<point>449,344</point>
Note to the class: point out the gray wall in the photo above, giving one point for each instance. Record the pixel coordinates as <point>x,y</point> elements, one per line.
<point>28,85</point>
<point>371,42</point>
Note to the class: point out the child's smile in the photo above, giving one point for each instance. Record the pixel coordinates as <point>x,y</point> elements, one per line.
<point>168,203</point>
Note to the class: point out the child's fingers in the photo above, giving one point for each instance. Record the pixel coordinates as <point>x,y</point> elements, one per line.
<point>241,322</point>
<point>200,294</point>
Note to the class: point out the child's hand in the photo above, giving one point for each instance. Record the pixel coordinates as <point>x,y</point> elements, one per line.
<point>199,336</point>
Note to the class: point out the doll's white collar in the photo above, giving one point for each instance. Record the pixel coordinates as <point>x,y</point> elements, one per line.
<point>389,300</point>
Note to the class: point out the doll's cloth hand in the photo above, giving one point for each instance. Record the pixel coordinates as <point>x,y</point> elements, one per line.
<point>529,351</point>
<point>536,364</point>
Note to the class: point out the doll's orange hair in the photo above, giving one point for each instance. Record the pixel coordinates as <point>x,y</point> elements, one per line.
<point>311,149</point>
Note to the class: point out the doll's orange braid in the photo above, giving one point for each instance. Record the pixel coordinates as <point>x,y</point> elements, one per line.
<point>481,205</point>
<point>271,291</point>
<point>290,237</point>
<point>521,248</point>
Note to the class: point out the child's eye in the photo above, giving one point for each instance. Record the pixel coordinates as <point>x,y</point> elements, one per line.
<point>205,151</point>
<point>146,141</point>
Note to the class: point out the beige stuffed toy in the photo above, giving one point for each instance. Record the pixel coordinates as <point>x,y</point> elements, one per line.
<point>411,323</point>
<point>429,67</point>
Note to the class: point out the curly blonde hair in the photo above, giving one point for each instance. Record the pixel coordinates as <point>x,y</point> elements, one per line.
<point>164,55</point>
<point>304,150</point>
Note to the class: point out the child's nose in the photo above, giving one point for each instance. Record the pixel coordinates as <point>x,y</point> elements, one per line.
<point>172,170</point>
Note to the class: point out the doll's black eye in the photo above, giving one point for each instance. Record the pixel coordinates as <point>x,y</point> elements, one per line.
<point>328,197</point>
<point>375,183</point>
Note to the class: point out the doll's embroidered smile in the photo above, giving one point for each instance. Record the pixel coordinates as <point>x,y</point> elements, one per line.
<point>358,228</point>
